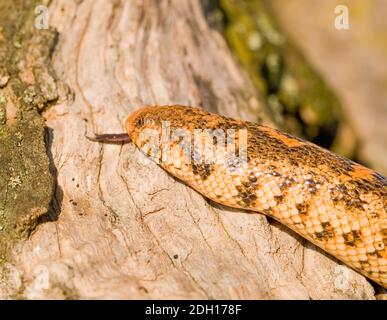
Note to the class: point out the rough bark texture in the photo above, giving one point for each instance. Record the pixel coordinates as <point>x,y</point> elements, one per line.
<point>27,87</point>
<point>122,228</point>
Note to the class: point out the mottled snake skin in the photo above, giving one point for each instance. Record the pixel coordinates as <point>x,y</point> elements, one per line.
<point>331,201</point>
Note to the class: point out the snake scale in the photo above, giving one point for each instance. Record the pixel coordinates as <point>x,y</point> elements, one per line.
<point>333,202</point>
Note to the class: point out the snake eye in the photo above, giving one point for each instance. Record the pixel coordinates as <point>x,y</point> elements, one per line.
<point>139,122</point>
<point>142,121</point>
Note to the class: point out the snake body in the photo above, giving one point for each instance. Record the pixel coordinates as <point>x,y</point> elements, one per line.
<point>329,200</point>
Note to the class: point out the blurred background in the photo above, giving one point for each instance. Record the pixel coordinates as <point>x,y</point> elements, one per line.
<point>321,68</point>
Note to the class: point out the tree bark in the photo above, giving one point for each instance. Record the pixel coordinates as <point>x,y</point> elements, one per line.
<point>121,228</point>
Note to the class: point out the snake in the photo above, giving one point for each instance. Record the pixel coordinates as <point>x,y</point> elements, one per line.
<point>331,201</point>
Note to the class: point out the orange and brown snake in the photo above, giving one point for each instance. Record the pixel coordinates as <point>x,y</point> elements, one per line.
<point>331,201</point>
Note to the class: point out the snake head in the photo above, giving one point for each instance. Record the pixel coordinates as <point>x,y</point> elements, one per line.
<point>149,125</point>
<point>145,126</point>
<point>139,120</point>
<point>155,117</point>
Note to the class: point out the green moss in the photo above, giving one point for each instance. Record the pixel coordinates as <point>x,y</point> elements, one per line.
<point>299,99</point>
<point>25,178</point>
<point>3,110</point>
<point>28,86</point>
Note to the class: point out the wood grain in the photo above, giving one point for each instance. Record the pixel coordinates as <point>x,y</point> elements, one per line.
<point>124,228</point>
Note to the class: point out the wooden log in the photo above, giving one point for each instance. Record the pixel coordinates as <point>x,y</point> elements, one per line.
<point>122,227</point>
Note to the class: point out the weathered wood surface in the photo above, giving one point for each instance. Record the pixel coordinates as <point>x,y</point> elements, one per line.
<point>125,229</point>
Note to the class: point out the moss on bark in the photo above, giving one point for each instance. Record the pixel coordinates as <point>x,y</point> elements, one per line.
<point>27,86</point>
